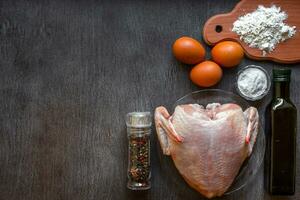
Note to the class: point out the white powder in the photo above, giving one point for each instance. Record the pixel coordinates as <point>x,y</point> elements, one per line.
<point>252,82</point>
<point>264,28</point>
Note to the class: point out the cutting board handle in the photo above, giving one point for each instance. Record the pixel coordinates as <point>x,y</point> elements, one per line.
<point>218,28</point>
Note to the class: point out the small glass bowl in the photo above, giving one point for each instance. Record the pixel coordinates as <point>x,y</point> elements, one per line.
<point>250,98</point>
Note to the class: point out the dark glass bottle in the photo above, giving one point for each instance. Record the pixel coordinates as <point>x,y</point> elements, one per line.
<point>281,120</point>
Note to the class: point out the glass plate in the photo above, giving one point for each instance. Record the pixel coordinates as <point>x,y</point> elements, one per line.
<point>250,166</point>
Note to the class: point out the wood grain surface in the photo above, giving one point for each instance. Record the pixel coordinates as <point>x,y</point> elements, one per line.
<point>71,70</point>
<point>282,53</point>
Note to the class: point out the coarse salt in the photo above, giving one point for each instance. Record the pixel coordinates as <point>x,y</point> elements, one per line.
<point>253,83</point>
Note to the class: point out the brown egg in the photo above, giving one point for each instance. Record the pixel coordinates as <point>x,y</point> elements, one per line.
<point>188,50</point>
<point>227,53</point>
<point>206,74</point>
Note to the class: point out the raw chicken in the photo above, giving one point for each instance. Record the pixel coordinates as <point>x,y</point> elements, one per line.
<point>208,146</point>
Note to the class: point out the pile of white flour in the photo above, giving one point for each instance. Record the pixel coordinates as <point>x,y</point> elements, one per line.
<point>264,28</point>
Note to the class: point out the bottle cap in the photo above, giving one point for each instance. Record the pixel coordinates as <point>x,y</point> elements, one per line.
<point>138,119</point>
<point>281,74</point>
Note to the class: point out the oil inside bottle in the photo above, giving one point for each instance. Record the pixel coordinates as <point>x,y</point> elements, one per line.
<point>281,119</point>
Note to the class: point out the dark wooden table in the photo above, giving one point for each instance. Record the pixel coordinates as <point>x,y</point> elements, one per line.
<point>71,70</point>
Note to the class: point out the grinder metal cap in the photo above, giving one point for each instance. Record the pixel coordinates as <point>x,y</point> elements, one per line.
<point>281,75</point>
<point>138,119</point>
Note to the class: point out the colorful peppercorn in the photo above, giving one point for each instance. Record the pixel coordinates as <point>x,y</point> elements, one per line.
<point>139,130</point>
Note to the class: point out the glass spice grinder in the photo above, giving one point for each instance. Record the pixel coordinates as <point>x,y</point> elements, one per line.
<point>138,132</point>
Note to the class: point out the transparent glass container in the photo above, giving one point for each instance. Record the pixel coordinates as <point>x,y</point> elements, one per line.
<point>138,132</point>
<point>263,93</point>
<point>251,165</point>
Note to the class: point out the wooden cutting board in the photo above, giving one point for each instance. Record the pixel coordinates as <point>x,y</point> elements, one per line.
<point>219,27</point>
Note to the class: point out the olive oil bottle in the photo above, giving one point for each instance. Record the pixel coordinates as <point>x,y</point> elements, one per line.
<point>281,136</point>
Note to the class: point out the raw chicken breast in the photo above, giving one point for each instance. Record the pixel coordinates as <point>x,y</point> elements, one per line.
<point>208,146</point>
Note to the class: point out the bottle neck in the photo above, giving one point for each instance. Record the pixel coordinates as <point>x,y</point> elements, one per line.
<point>282,89</point>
